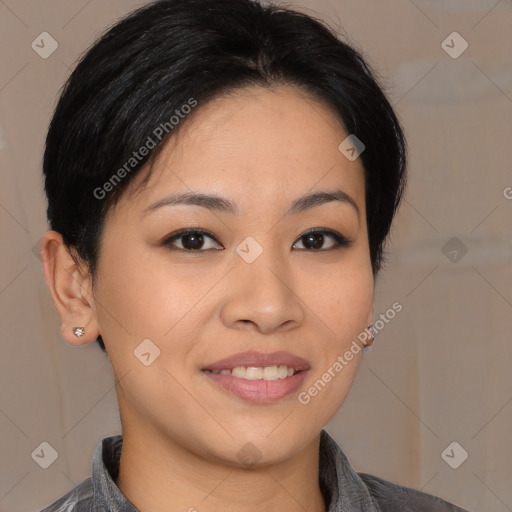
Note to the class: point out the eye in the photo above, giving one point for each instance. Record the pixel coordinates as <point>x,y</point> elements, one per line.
<point>314,238</point>
<point>192,239</point>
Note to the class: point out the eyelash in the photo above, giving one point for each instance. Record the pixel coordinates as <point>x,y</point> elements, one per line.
<point>339,239</point>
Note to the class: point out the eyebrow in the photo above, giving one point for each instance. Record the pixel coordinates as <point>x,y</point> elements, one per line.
<point>224,205</point>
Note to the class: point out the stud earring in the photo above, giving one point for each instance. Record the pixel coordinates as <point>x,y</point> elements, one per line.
<point>78,331</point>
<point>368,342</point>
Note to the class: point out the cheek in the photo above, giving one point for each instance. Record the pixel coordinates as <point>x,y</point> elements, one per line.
<point>142,296</point>
<point>340,312</point>
<point>338,296</point>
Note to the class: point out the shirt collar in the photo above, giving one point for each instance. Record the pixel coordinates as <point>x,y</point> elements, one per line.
<point>343,488</point>
<point>337,478</point>
<point>105,468</point>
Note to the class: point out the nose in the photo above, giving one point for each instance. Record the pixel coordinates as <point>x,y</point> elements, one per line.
<point>260,296</point>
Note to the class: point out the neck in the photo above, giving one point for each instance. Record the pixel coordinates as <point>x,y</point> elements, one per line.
<point>164,476</point>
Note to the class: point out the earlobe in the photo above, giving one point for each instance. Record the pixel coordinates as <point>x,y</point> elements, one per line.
<point>70,288</point>
<point>369,331</point>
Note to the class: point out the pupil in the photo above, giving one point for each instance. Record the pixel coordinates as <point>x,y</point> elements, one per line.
<point>194,241</point>
<point>319,239</point>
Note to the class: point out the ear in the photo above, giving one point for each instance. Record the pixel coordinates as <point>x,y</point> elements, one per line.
<point>71,290</point>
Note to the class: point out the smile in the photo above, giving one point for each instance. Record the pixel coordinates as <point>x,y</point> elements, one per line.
<point>258,373</point>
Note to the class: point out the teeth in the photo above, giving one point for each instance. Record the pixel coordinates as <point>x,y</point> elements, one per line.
<point>259,373</point>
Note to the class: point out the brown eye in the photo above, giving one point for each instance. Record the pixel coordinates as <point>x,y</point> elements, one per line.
<point>191,240</point>
<point>313,240</point>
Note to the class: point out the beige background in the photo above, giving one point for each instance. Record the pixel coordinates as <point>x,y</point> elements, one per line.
<point>439,372</point>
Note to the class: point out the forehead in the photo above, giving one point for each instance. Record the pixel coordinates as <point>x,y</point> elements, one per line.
<point>255,143</point>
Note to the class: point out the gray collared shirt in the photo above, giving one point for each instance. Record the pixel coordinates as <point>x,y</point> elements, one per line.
<point>344,490</point>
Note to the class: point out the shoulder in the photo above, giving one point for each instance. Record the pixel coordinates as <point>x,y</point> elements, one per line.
<point>392,497</point>
<point>79,499</point>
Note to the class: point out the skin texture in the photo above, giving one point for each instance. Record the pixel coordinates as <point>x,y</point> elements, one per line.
<point>260,148</point>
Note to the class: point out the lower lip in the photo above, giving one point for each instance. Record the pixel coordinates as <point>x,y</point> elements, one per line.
<point>259,391</point>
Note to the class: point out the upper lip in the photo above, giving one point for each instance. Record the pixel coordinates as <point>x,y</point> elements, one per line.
<point>259,359</point>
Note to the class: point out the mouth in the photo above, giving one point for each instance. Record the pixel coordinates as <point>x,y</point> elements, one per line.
<point>254,365</point>
<point>257,372</point>
<point>258,377</point>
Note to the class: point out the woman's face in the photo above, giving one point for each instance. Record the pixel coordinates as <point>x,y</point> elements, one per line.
<point>253,282</point>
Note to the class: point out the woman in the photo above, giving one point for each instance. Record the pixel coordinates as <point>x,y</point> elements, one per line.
<point>221,179</point>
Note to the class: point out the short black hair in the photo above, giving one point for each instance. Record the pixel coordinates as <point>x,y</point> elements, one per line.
<point>147,66</point>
